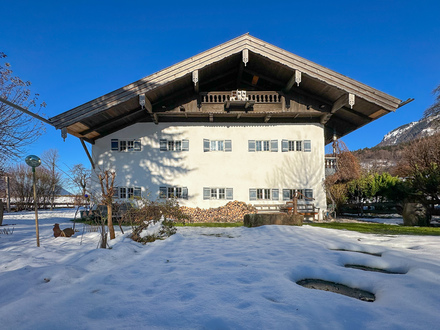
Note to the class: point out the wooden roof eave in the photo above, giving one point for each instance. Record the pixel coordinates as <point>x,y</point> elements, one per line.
<point>215,54</point>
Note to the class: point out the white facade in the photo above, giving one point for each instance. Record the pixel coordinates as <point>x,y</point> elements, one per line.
<point>212,177</point>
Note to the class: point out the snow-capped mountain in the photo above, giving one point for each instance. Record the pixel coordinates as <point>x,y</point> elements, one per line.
<point>408,132</point>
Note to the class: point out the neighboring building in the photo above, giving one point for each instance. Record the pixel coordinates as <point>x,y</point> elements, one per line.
<point>242,121</point>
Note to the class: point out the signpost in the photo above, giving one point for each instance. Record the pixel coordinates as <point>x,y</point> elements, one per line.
<point>34,161</point>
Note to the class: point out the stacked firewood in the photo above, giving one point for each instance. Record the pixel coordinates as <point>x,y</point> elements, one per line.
<point>231,212</point>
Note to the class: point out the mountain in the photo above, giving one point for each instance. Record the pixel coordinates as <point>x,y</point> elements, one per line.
<point>386,155</point>
<point>412,131</point>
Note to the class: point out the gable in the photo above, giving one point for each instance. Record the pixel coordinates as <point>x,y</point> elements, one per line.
<point>304,91</point>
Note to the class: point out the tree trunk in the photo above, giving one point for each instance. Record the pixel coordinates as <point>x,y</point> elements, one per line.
<point>111,229</point>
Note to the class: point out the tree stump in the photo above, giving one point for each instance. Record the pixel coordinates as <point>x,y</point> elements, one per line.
<point>416,214</point>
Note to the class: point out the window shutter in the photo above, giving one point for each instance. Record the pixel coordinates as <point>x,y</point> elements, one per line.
<point>185,145</point>
<point>229,193</point>
<point>114,144</point>
<point>205,145</point>
<point>252,194</point>
<point>137,192</point>
<point>274,145</point>
<point>251,144</point>
<point>307,146</point>
<point>185,193</point>
<point>163,192</point>
<point>115,192</point>
<point>275,194</point>
<point>206,193</point>
<point>228,145</point>
<point>137,145</point>
<point>163,145</point>
<point>286,194</point>
<point>308,193</point>
<point>284,145</point>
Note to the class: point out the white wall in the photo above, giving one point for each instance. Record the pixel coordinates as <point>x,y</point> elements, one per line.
<point>195,169</point>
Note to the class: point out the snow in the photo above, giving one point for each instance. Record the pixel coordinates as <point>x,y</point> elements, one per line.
<point>213,278</point>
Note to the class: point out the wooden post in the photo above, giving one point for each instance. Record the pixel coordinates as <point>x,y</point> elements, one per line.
<point>36,208</point>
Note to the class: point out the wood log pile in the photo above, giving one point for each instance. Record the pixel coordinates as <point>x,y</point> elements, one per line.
<point>231,212</point>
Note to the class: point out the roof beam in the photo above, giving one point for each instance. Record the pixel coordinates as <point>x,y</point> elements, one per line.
<point>343,101</point>
<point>267,118</point>
<point>296,78</point>
<point>110,122</point>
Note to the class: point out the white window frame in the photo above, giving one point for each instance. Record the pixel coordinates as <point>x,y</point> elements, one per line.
<point>177,192</point>
<point>126,145</point>
<point>263,145</point>
<point>264,194</point>
<point>217,145</point>
<point>215,193</point>
<point>173,145</point>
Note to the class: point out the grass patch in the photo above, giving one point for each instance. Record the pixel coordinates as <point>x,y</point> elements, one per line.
<point>210,224</point>
<point>379,228</point>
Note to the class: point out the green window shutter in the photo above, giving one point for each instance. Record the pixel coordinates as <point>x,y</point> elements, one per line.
<point>163,192</point>
<point>307,146</point>
<point>274,145</point>
<point>137,145</point>
<point>205,145</point>
<point>228,145</point>
<point>206,193</point>
<point>185,193</point>
<point>163,145</point>
<point>286,194</point>
<point>115,144</point>
<point>251,145</point>
<point>185,145</point>
<point>229,193</point>
<point>275,194</point>
<point>252,194</point>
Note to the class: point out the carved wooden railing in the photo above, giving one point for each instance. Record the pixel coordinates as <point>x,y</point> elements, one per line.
<point>257,97</point>
<point>330,165</point>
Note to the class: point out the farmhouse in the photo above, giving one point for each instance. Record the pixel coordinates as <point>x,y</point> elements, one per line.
<point>243,121</point>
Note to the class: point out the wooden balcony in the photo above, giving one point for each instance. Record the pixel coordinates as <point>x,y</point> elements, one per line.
<point>330,166</point>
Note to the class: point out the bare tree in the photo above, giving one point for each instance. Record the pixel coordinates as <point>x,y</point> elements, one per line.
<point>347,168</point>
<point>80,177</point>
<point>434,109</point>
<point>107,181</point>
<point>50,160</point>
<point>17,130</point>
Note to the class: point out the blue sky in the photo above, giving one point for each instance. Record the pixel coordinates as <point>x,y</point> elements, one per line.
<point>75,51</point>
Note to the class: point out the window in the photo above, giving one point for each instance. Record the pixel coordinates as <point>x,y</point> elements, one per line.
<point>294,145</point>
<point>263,145</point>
<point>218,193</point>
<point>126,145</point>
<point>127,192</point>
<point>289,193</point>
<point>217,145</point>
<point>174,145</point>
<point>173,192</point>
<point>263,194</point>
<point>122,192</point>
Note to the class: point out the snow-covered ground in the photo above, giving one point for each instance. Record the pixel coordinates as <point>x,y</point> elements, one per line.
<point>213,278</point>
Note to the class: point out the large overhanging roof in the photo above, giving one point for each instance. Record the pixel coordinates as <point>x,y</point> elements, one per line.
<point>340,103</point>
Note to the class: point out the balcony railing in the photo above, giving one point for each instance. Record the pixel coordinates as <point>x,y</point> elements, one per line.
<point>330,165</point>
<point>257,97</point>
